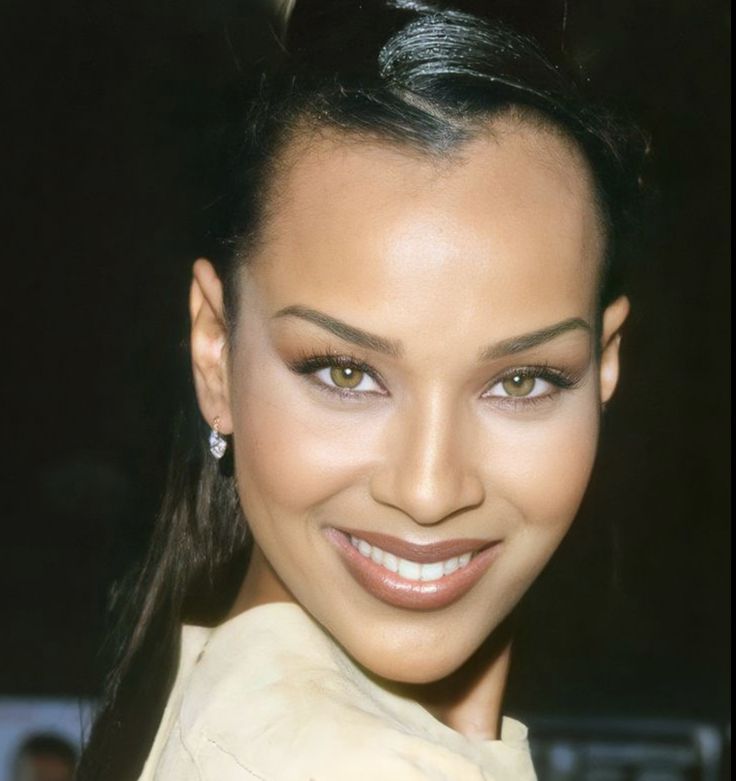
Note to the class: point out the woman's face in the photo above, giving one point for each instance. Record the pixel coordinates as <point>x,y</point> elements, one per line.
<point>457,301</point>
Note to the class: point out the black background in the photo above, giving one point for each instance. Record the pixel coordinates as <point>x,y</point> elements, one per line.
<point>102,182</point>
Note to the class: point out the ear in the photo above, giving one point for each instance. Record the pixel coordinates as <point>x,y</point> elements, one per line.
<point>209,346</point>
<point>613,319</point>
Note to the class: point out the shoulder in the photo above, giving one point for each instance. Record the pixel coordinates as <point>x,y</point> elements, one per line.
<point>270,697</point>
<point>321,754</point>
<point>313,725</point>
<point>185,760</point>
<point>309,726</point>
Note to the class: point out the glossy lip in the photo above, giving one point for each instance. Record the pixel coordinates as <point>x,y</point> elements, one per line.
<point>421,553</point>
<point>394,590</point>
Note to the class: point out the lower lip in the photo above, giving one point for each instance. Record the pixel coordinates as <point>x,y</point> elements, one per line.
<point>394,590</point>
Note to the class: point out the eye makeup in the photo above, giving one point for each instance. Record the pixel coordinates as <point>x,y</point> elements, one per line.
<point>558,380</point>
<point>308,364</point>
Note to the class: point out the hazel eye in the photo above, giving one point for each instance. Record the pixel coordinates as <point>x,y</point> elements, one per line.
<point>521,385</point>
<point>346,376</point>
<point>350,378</point>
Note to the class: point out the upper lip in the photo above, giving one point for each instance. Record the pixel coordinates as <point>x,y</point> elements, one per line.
<point>421,553</point>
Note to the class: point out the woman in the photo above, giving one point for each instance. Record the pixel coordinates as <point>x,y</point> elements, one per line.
<point>400,349</point>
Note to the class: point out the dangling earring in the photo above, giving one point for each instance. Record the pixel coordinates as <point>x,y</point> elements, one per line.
<point>218,443</point>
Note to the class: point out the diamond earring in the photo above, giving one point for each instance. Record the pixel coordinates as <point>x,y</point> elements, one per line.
<point>218,443</point>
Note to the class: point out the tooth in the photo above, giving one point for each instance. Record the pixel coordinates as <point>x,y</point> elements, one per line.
<point>450,565</point>
<point>432,571</point>
<point>390,562</point>
<point>409,569</point>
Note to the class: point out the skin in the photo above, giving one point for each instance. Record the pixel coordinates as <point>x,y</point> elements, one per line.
<point>498,240</point>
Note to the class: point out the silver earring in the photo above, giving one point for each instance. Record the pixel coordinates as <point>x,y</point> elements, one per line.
<point>218,443</point>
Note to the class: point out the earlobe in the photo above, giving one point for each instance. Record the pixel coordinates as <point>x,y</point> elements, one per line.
<point>209,345</point>
<point>613,319</point>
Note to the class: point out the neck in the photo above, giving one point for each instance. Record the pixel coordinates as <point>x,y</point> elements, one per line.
<point>469,700</point>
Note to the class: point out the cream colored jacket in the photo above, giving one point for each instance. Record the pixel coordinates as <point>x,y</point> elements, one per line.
<point>269,695</point>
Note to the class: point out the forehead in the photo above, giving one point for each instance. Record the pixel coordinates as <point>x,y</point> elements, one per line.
<point>504,227</point>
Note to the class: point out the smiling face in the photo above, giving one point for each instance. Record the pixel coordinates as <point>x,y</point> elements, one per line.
<point>414,356</point>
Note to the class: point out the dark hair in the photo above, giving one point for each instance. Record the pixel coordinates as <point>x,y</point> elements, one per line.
<point>46,744</point>
<point>416,74</point>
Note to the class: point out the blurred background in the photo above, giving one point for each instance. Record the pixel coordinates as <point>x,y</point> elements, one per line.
<point>624,643</point>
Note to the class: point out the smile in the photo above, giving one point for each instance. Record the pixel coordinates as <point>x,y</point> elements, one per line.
<point>436,582</point>
<point>407,569</point>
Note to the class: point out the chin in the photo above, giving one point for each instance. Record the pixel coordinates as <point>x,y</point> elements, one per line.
<point>428,674</point>
<point>402,671</point>
<point>416,664</point>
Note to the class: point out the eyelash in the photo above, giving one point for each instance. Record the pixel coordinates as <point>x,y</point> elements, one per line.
<point>309,364</point>
<point>558,378</point>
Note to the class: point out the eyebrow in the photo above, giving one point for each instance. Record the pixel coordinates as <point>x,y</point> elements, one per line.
<point>394,348</point>
<point>518,344</point>
<point>347,332</point>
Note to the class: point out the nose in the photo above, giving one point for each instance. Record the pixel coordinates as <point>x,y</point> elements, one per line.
<point>430,466</point>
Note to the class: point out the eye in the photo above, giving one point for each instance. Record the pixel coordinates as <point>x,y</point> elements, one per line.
<point>530,385</point>
<point>347,377</point>
<point>339,374</point>
<point>522,385</point>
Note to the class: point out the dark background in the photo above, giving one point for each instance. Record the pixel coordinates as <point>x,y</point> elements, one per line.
<point>103,180</point>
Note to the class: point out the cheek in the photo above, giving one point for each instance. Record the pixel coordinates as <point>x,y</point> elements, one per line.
<point>538,472</point>
<point>287,455</point>
<point>546,466</point>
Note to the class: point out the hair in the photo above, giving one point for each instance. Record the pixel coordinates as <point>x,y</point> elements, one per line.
<point>416,74</point>
<point>46,744</point>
